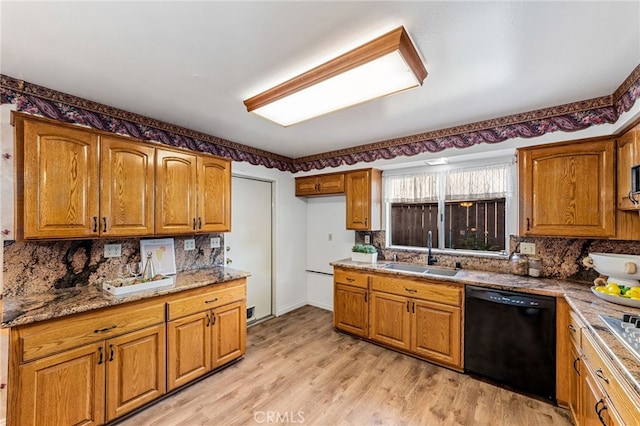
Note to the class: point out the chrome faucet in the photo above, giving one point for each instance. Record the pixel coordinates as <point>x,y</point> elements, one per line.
<point>430,259</point>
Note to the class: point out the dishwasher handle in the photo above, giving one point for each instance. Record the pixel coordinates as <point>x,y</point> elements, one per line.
<point>509,298</point>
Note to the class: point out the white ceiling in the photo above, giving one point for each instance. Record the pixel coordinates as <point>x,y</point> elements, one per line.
<point>193,63</point>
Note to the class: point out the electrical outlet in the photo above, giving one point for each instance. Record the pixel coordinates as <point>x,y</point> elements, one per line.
<point>189,244</point>
<point>215,242</point>
<point>112,250</point>
<point>367,239</point>
<point>527,248</point>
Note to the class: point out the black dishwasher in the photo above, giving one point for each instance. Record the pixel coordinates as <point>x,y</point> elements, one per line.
<point>510,338</point>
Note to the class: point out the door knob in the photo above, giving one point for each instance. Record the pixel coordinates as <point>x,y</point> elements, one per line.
<point>229,261</point>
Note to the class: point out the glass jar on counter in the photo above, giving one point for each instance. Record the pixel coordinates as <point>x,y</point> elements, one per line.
<point>519,265</point>
<point>535,266</point>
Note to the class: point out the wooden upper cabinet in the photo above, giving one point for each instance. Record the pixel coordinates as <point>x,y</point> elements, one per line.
<point>568,189</point>
<point>364,204</point>
<point>628,156</point>
<point>175,192</point>
<point>56,179</point>
<point>214,194</point>
<point>126,187</point>
<point>327,184</point>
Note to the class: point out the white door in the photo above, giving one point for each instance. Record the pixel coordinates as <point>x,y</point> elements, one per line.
<point>248,245</point>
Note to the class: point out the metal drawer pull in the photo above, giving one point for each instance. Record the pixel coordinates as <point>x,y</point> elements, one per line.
<point>411,290</point>
<point>601,375</point>
<point>102,330</point>
<point>571,327</point>
<point>351,279</point>
<point>211,301</point>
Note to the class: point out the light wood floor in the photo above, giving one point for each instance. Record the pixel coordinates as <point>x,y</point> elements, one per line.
<point>299,368</point>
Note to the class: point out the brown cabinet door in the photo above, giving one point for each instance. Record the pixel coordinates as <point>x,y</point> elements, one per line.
<point>351,310</point>
<point>358,200</point>
<point>62,389</point>
<point>136,369</point>
<point>214,195</point>
<point>568,190</point>
<point>391,320</point>
<point>175,192</point>
<point>306,186</point>
<point>435,332</point>
<point>59,182</point>
<point>574,383</point>
<point>628,156</point>
<point>188,348</point>
<point>591,400</point>
<point>126,187</point>
<point>331,184</point>
<point>229,328</point>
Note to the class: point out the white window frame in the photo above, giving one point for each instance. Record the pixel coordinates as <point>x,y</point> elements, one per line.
<point>511,207</point>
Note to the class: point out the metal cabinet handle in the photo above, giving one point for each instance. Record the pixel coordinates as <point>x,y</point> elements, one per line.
<point>407,306</point>
<point>199,223</point>
<point>102,330</point>
<point>411,290</point>
<point>365,297</point>
<point>211,301</point>
<point>528,224</point>
<point>213,318</point>
<point>632,197</point>
<point>111,355</point>
<point>104,221</point>
<point>413,307</point>
<point>100,355</point>
<point>601,375</point>
<point>575,362</point>
<point>208,320</point>
<point>600,410</point>
<point>571,327</point>
<point>366,222</point>
<point>194,223</point>
<point>95,224</point>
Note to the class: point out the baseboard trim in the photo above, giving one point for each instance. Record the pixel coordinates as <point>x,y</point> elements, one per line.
<point>289,308</point>
<point>320,305</point>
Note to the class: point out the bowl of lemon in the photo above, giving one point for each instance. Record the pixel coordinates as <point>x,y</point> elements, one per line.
<point>618,293</point>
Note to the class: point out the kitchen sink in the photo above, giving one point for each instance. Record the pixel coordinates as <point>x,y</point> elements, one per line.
<point>417,269</point>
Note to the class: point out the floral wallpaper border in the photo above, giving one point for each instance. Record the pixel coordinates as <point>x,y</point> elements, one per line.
<point>34,99</point>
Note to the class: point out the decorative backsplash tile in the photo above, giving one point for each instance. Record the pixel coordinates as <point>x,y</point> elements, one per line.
<point>38,267</point>
<point>561,257</point>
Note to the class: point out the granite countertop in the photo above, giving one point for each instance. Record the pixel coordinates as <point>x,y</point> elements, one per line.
<point>578,295</point>
<point>20,310</point>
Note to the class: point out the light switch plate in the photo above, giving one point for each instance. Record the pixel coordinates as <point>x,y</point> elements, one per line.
<point>112,250</point>
<point>189,244</point>
<point>215,242</point>
<point>527,248</point>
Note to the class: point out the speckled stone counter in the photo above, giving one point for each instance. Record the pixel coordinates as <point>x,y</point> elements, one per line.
<point>20,310</point>
<point>578,295</point>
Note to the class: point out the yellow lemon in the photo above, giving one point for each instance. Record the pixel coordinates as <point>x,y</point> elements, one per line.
<point>601,289</point>
<point>633,292</point>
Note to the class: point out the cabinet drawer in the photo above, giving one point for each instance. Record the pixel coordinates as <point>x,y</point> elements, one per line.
<point>574,327</point>
<point>351,278</point>
<point>201,302</point>
<point>442,293</point>
<point>620,394</point>
<point>49,337</point>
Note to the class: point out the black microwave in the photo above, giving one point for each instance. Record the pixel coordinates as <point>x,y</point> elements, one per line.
<point>635,179</point>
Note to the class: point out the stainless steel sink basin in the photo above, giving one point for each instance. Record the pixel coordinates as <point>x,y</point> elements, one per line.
<point>407,268</point>
<point>425,270</point>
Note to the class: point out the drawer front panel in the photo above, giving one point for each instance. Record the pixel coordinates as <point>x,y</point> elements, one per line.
<point>351,278</point>
<point>194,304</point>
<point>42,339</point>
<point>574,327</point>
<point>620,396</point>
<point>442,293</point>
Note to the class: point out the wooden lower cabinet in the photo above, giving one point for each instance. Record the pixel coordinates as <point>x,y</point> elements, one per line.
<point>574,382</point>
<point>351,309</point>
<point>391,320</point>
<point>595,406</point>
<point>63,389</point>
<point>136,367</point>
<point>204,341</point>
<point>436,332</point>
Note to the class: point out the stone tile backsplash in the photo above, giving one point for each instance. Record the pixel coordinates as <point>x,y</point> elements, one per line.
<point>561,257</point>
<point>38,267</point>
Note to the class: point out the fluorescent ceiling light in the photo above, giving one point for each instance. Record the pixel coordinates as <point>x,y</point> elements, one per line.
<point>386,65</point>
<point>437,161</point>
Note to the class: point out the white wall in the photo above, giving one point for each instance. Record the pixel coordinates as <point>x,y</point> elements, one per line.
<point>290,237</point>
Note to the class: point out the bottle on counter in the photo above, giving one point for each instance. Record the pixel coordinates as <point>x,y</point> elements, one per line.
<point>519,264</point>
<point>535,266</point>
<point>148,272</point>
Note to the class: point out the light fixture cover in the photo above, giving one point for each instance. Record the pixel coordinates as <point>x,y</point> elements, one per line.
<point>388,64</point>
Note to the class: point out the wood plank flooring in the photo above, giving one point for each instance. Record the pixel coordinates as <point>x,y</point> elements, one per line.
<point>298,370</point>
